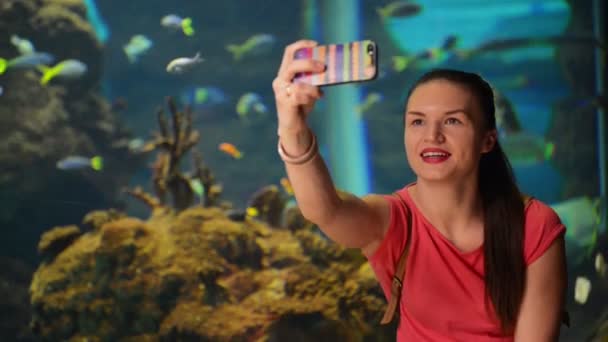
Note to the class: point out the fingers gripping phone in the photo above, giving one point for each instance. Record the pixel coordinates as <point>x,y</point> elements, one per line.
<point>345,63</point>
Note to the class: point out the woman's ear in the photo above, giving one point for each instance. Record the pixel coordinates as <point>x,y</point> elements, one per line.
<point>489,141</point>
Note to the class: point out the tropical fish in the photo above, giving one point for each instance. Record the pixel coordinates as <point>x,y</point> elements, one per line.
<point>250,104</point>
<point>252,212</point>
<point>202,97</point>
<point>434,55</point>
<point>255,45</point>
<point>581,216</point>
<point>198,189</point>
<point>512,82</point>
<point>600,264</point>
<point>231,150</point>
<point>524,149</point>
<point>399,9</point>
<point>137,46</point>
<point>176,22</point>
<point>286,184</point>
<point>240,215</point>
<point>24,46</point>
<point>370,100</point>
<point>26,61</point>
<point>134,145</point>
<point>498,45</point>
<point>181,64</point>
<point>506,120</point>
<point>79,162</point>
<point>582,288</point>
<point>68,69</point>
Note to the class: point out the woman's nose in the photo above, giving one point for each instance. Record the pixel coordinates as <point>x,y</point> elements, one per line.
<point>434,133</point>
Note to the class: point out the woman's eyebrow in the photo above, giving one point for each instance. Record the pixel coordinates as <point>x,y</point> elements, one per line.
<point>454,111</point>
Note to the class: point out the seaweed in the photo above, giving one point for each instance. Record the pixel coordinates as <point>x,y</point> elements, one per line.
<point>172,142</point>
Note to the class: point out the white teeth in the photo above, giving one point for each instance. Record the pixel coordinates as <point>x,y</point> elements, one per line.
<point>434,154</point>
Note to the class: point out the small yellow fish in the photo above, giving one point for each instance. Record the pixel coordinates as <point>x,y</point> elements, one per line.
<point>176,22</point>
<point>250,104</point>
<point>398,9</point>
<point>255,45</point>
<point>370,100</point>
<point>69,69</point>
<point>198,189</point>
<point>231,150</point>
<point>286,184</point>
<point>401,63</point>
<point>252,212</point>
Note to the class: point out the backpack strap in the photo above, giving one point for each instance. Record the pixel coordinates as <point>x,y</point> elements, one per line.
<point>397,282</point>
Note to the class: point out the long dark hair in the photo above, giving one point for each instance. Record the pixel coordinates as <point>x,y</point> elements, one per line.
<point>503,206</point>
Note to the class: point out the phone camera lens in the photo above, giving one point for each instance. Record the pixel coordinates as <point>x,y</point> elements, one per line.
<point>370,49</point>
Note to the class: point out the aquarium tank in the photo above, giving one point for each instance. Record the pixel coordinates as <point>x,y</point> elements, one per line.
<point>142,197</point>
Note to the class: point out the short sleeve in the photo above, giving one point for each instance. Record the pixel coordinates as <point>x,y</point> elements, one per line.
<point>385,258</point>
<point>394,240</point>
<point>542,227</point>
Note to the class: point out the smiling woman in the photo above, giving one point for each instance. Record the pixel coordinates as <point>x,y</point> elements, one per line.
<point>463,230</point>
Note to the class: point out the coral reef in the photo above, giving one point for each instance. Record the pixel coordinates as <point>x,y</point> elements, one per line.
<point>197,275</point>
<point>173,142</point>
<point>199,272</point>
<point>56,240</point>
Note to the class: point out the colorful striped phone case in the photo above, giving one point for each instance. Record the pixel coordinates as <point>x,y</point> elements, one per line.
<point>346,63</point>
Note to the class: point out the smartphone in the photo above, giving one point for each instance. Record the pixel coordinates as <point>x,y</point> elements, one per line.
<point>345,63</point>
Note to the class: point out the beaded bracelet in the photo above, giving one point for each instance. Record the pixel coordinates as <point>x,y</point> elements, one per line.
<point>310,153</point>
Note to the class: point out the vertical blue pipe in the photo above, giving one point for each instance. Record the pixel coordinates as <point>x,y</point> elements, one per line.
<point>343,131</point>
<point>598,13</point>
<point>311,20</point>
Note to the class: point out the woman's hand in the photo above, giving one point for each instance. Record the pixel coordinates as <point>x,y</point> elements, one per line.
<point>295,101</point>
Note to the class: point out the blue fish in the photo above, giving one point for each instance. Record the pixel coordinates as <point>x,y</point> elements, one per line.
<point>203,97</point>
<point>79,162</point>
<point>31,60</point>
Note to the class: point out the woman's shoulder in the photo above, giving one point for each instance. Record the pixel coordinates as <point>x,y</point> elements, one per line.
<point>537,211</point>
<point>542,226</point>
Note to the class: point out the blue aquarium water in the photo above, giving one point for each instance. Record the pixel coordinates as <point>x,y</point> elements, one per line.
<point>143,197</point>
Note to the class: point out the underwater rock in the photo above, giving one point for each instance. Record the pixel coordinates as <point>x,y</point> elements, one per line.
<point>56,240</point>
<point>270,202</point>
<point>14,302</point>
<point>198,275</point>
<point>294,220</point>
<point>40,125</point>
<point>95,219</point>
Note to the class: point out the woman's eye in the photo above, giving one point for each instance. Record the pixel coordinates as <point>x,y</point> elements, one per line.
<point>453,121</point>
<point>416,122</point>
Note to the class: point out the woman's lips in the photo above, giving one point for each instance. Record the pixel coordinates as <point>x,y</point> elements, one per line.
<point>434,155</point>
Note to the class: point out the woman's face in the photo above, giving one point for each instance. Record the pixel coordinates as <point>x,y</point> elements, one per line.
<point>444,135</point>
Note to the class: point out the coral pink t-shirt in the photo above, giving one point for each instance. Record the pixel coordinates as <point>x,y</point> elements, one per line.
<point>443,291</point>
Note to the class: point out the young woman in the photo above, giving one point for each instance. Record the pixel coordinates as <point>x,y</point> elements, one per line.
<point>483,264</point>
